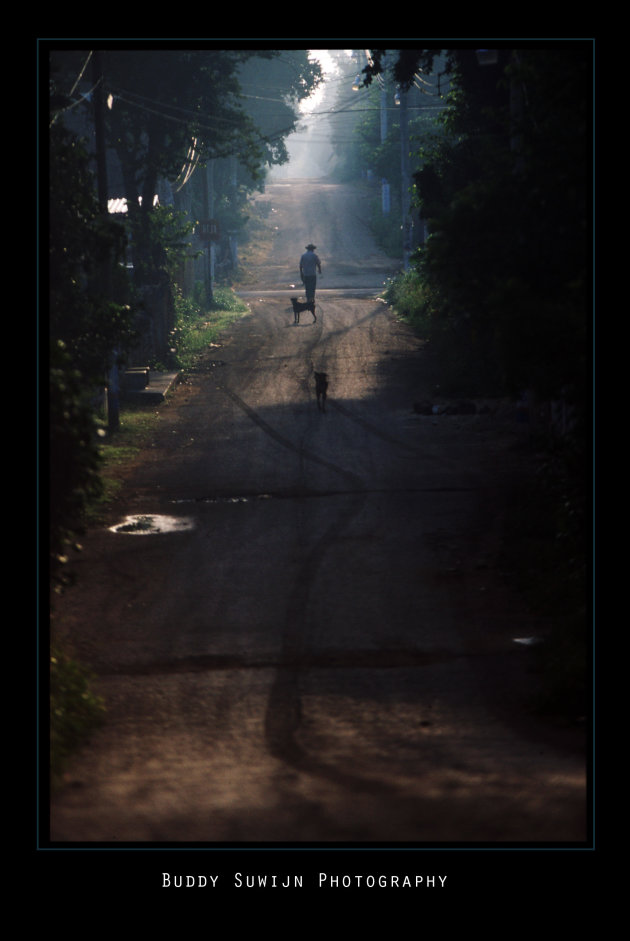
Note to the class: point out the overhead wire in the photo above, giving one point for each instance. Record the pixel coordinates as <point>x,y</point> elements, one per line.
<point>80,75</point>
<point>190,165</point>
<point>83,97</point>
<point>160,108</point>
<point>267,139</point>
<point>75,104</point>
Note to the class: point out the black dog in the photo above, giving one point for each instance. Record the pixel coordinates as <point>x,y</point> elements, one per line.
<point>298,307</point>
<point>321,388</point>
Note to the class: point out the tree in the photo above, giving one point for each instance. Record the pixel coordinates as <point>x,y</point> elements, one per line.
<point>272,89</point>
<point>167,104</point>
<point>390,136</point>
<point>86,325</point>
<point>87,311</point>
<point>171,111</point>
<point>505,296</point>
<point>505,192</point>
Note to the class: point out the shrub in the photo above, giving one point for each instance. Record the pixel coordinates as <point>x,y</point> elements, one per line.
<point>409,297</point>
<point>75,711</point>
<point>196,327</point>
<point>74,458</point>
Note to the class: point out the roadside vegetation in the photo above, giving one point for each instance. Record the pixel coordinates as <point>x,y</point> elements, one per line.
<point>85,482</point>
<point>120,284</point>
<point>197,327</point>
<point>75,710</point>
<point>545,530</point>
<point>498,287</point>
<point>197,330</point>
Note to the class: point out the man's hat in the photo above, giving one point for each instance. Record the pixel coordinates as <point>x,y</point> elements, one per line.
<point>311,247</point>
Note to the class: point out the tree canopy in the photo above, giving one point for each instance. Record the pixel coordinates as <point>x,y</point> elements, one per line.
<point>505,192</point>
<point>271,91</point>
<point>170,110</point>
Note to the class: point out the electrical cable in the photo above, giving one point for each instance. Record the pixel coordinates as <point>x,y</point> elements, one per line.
<point>80,75</point>
<point>144,103</point>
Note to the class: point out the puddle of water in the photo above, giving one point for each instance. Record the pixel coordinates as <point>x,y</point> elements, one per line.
<point>146,525</point>
<point>259,496</point>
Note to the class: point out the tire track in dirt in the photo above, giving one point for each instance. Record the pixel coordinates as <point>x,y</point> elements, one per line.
<point>283,716</point>
<point>284,713</point>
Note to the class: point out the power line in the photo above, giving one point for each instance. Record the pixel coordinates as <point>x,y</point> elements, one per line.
<point>79,101</point>
<point>80,75</point>
<point>268,139</point>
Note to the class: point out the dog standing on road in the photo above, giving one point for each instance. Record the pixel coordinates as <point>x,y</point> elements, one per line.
<point>298,307</point>
<point>321,388</point>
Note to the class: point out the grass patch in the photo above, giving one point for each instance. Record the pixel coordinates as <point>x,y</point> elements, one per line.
<point>407,295</point>
<point>198,327</point>
<point>118,451</point>
<point>75,710</point>
<point>456,356</point>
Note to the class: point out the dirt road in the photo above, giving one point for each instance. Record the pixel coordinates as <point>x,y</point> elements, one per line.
<point>325,650</point>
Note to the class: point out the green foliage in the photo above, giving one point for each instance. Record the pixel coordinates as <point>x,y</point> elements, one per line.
<point>386,228</point>
<point>227,301</point>
<point>197,327</point>
<point>457,354</point>
<point>87,324</point>
<point>272,88</point>
<point>73,448</point>
<point>166,235</point>
<point>501,292</point>
<point>75,711</point>
<point>165,98</point>
<point>504,278</point>
<point>89,310</point>
<point>408,296</point>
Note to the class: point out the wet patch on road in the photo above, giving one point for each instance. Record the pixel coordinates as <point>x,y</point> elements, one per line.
<point>148,525</point>
<point>303,661</point>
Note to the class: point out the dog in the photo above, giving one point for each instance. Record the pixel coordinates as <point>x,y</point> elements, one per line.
<point>298,307</point>
<point>321,388</point>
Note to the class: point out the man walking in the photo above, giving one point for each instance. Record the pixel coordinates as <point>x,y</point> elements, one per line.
<point>309,266</point>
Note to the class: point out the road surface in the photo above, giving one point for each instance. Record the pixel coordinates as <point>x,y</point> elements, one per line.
<point>324,650</point>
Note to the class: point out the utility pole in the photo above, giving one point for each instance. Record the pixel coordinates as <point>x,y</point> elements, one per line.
<point>99,130</point>
<point>208,209</point>
<point>233,243</point>
<point>385,201</point>
<point>113,385</point>
<point>405,182</point>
